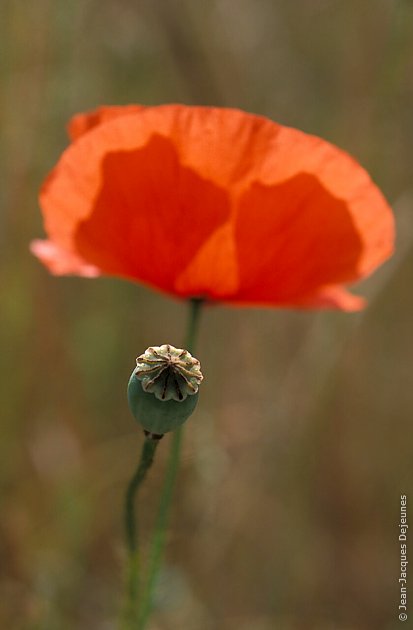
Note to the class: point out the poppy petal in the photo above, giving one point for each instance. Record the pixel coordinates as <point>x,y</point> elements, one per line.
<point>215,202</point>
<point>213,272</point>
<point>296,237</point>
<point>332,296</point>
<point>336,297</point>
<point>292,239</point>
<point>224,145</point>
<point>141,215</point>
<point>60,262</point>
<point>83,122</point>
<point>295,153</point>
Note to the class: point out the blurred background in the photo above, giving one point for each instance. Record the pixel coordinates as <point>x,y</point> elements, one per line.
<point>286,513</point>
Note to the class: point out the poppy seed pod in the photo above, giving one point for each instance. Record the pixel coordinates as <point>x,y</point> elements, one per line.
<point>163,388</point>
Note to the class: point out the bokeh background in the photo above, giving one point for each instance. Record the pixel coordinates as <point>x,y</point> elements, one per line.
<point>287,506</point>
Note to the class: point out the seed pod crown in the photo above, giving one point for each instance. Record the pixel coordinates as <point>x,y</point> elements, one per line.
<point>163,388</point>
<point>169,373</point>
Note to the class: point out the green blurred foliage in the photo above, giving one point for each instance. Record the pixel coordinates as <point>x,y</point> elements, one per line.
<point>287,507</point>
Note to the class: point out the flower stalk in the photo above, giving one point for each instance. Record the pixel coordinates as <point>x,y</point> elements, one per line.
<point>140,599</point>
<point>146,460</point>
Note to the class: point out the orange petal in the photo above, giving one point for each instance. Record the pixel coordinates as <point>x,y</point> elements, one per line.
<point>213,271</point>
<point>224,145</point>
<point>294,238</point>
<point>336,297</point>
<point>218,145</point>
<point>331,297</point>
<point>147,193</point>
<point>146,220</point>
<point>295,152</point>
<point>60,262</point>
<point>81,123</point>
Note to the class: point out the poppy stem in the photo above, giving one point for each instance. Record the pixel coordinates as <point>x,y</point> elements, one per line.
<point>158,541</point>
<point>146,460</point>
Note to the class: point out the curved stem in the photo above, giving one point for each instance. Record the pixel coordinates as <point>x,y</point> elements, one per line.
<point>148,452</point>
<point>147,455</point>
<point>158,541</point>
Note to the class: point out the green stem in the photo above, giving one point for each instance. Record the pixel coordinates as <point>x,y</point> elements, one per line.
<point>193,324</point>
<point>158,542</point>
<point>147,455</point>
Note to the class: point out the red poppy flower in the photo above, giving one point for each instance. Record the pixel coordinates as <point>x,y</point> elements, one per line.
<point>214,203</point>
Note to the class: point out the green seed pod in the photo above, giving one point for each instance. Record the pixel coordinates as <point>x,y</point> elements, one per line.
<point>163,388</point>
